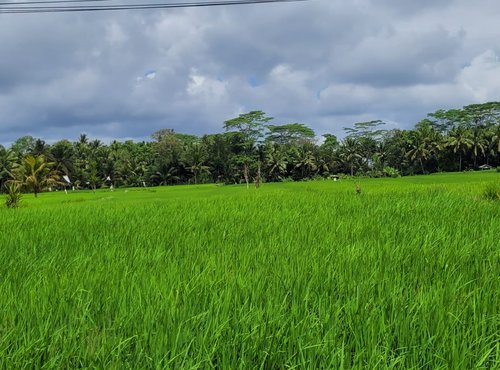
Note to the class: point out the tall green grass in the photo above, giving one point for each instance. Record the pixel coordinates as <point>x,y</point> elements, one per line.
<point>297,275</point>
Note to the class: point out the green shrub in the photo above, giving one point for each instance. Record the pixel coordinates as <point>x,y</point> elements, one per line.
<point>13,197</point>
<point>375,174</point>
<point>391,172</point>
<point>498,169</point>
<point>318,178</point>
<point>492,192</point>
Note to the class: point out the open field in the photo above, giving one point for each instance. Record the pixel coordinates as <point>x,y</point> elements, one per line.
<point>294,275</point>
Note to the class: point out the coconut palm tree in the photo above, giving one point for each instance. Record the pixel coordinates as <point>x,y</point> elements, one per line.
<point>306,162</point>
<point>195,159</point>
<point>7,162</point>
<point>459,141</point>
<point>495,139</point>
<point>419,153</point>
<point>276,161</point>
<point>478,143</point>
<point>349,154</point>
<point>62,153</point>
<point>425,142</point>
<point>36,173</point>
<point>165,175</point>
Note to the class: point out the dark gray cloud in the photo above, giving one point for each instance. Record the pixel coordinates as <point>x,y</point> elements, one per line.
<point>327,63</point>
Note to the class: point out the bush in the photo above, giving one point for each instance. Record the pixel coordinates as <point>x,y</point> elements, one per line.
<point>375,174</point>
<point>492,192</point>
<point>498,169</point>
<point>13,197</point>
<point>391,172</point>
<point>318,178</point>
<point>344,176</point>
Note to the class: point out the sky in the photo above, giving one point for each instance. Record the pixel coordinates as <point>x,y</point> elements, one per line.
<point>323,63</point>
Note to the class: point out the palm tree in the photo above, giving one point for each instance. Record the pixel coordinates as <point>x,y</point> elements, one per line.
<point>81,161</point>
<point>349,153</point>
<point>495,140</point>
<point>276,162</point>
<point>195,158</point>
<point>62,154</point>
<point>420,153</point>
<point>35,173</point>
<point>94,145</point>
<point>425,142</point>
<point>459,140</point>
<point>7,162</point>
<point>420,149</point>
<point>479,143</point>
<point>40,147</point>
<point>165,175</point>
<point>197,169</point>
<point>306,162</point>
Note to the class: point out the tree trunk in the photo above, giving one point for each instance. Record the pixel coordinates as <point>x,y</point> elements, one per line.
<point>422,166</point>
<point>245,174</point>
<point>257,178</point>
<point>460,166</point>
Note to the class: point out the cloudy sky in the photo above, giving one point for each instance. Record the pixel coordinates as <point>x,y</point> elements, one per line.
<point>325,63</point>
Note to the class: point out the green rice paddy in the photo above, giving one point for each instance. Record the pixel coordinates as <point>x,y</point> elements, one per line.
<point>311,275</point>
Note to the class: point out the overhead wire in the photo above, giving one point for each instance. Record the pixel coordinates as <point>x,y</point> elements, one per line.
<point>17,3</point>
<point>30,7</point>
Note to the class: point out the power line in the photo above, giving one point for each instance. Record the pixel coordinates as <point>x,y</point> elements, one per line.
<point>17,3</point>
<point>29,8</point>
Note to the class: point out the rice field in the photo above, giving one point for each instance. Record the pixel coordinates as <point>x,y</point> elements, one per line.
<point>310,275</point>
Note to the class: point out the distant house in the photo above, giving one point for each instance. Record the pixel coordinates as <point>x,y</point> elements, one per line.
<point>485,167</point>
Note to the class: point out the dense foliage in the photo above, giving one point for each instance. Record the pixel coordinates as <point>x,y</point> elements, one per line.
<point>253,149</point>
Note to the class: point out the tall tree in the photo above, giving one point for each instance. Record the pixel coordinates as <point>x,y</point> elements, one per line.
<point>290,134</point>
<point>195,159</point>
<point>219,156</point>
<point>23,146</point>
<point>368,129</point>
<point>420,150</point>
<point>248,129</point>
<point>276,161</point>
<point>168,154</point>
<point>446,120</point>
<point>396,144</point>
<point>481,114</point>
<point>459,141</point>
<point>478,143</point>
<point>495,139</point>
<point>305,162</point>
<point>250,125</point>
<point>349,154</point>
<point>62,153</point>
<point>328,152</point>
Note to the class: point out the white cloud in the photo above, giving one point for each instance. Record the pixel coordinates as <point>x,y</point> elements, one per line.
<point>482,77</point>
<point>209,88</point>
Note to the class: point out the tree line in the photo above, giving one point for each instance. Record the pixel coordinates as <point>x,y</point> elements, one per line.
<point>254,149</point>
